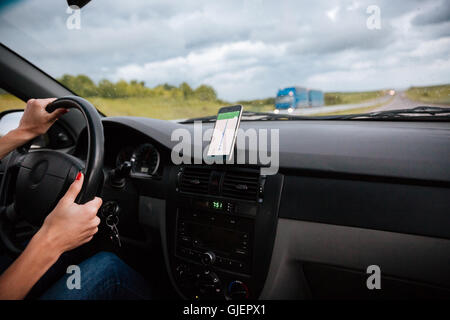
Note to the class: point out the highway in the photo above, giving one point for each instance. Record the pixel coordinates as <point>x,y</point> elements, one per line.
<point>400,101</point>
<point>338,107</point>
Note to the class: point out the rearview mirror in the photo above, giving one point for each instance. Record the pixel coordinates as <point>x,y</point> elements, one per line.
<point>79,3</point>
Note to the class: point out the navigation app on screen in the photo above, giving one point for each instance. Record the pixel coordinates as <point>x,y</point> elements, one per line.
<point>223,135</point>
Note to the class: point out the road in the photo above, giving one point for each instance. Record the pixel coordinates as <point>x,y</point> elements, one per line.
<point>400,101</point>
<point>339,107</point>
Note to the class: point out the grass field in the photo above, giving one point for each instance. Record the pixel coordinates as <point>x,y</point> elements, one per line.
<point>179,108</point>
<point>433,94</point>
<point>8,102</point>
<point>153,107</point>
<point>334,98</point>
<point>353,111</point>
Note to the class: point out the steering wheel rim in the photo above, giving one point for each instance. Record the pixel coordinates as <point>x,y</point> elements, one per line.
<point>93,167</point>
<point>93,175</point>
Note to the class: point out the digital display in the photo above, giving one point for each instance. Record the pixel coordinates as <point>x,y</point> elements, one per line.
<point>217,205</point>
<point>222,141</point>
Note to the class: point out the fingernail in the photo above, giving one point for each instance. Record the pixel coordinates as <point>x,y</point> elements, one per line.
<point>79,175</point>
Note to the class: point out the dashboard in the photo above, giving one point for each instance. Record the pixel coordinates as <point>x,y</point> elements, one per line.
<point>347,194</point>
<point>145,156</point>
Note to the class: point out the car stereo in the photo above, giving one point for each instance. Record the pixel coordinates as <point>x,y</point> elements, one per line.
<point>221,224</point>
<point>212,238</point>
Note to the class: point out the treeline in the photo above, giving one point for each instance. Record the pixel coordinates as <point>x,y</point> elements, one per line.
<point>257,102</point>
<point>86,87</point>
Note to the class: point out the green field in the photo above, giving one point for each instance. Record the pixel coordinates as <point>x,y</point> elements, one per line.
<point>163,107</point>
<point>153,107</point>
<point>8,102</point>
<point>433,94</point>
<point>354,111</point>
<point>334,98</point>
<point>165,101</point>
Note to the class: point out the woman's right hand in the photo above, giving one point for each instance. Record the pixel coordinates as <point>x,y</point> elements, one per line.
<point>70,225</point>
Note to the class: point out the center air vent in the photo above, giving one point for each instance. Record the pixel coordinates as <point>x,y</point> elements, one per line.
<point>241,185</point>
<point>234,183</point>
<point>195,180</point>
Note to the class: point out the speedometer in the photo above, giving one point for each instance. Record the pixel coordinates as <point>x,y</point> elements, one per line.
<point>124,155</point>
<point>145,160</point>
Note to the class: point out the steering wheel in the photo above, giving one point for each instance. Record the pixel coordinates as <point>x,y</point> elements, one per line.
<point>42,177</point>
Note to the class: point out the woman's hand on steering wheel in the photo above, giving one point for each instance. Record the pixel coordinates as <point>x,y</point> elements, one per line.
<point>70,225</point>
<point>36,120</point>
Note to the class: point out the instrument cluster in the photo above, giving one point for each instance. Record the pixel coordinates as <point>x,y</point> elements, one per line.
<point>144,159</point>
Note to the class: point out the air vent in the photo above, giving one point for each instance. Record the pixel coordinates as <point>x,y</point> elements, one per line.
<point>194,180</point>
<point>241,185</point>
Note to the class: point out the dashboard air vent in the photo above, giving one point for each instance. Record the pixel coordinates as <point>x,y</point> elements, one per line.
<point>241,185</point>
<point>194,179</point>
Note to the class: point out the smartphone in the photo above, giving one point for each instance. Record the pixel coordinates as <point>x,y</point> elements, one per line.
<point>225,130</point>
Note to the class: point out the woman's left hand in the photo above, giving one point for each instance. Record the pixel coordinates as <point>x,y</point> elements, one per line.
<point>36,120</point>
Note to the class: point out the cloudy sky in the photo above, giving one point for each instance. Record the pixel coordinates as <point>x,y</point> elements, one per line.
<point>244,49</point>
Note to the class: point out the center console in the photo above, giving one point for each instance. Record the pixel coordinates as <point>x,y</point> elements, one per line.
<point>221,226</point>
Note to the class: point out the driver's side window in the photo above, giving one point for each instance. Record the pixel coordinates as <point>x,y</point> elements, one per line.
<point>9,101</point>
<point>9,121</point>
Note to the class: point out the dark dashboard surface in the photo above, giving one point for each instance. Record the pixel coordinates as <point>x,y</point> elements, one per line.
<point>408,150</point>
<point>392,176</point>
<point>383,176</point>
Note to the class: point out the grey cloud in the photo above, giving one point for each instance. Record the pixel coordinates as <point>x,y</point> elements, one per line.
<point>299,43</point>
<point>439,14</point>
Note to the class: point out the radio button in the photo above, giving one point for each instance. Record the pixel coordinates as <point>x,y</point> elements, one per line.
<point>240,251</point>
<point>208,258</point>
<point>197,243</point>
<point>185,239</point>
<point>230,208</point>
<point>219,261</point>
<point>183,251</point>
<point>228,263</point>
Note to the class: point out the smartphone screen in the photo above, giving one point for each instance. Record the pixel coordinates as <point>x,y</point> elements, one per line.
<point>224,134</point>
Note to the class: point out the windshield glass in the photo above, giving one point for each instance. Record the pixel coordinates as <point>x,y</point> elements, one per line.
<point>182,59</point>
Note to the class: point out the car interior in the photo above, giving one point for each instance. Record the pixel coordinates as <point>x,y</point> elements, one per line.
<point>348,194</point>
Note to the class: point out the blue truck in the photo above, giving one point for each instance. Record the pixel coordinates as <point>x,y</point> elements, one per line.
<point>291,98</point>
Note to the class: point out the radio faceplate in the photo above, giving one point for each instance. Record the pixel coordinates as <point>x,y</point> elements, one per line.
<point>209,255</point>
<point>227,238</point>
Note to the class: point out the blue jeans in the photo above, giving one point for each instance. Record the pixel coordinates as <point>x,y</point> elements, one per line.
<point>103,277</point>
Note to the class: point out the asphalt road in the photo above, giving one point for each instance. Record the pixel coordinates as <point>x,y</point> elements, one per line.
<point>338,107</point>
<point>400,101</point>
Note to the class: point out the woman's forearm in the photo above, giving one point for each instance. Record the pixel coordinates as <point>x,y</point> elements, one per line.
<point>14,139</point>
<point>29,267</point>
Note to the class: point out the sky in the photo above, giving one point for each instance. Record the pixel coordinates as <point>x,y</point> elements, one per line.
<point>245,49</point>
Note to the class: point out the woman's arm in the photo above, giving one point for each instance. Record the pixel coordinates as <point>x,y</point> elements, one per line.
<point>35,121</point>
<point>68,226</point>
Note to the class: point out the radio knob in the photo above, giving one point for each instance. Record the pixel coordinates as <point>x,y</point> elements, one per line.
<point>208,258</point>
<point>237,290</point>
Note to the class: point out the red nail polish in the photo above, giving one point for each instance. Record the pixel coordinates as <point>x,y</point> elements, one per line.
<point>79,176</point>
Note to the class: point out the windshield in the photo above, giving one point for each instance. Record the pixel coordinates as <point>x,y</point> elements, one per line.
<point>182,59</point>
